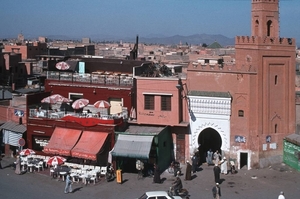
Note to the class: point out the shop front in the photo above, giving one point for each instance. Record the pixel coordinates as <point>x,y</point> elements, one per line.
<point>11,134</point>
<point>145,143</point>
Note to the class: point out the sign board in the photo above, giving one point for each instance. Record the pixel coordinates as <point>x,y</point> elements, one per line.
<point>240,139</point>
<point>19,113</point>
<point>22,142</point>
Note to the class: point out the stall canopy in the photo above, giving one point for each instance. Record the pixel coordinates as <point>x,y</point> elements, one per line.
<point>133,146</point>
<point>62,141</point>
<point>12,132</point>
<point>89,145</point>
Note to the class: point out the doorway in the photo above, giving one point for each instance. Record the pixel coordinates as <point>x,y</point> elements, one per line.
<point>208,139</point>
<point>243,160</point>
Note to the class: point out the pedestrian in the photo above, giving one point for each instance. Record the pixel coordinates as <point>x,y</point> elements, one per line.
<point>217,157</point>
<point>0,160</point>
<point>216,190</point>
<point>68,188</point>
<point>156,178</point>
<point>217,172</point>
<point>224,168</point>
<point>281,195</point>
<point>194,163</point>
<point>18,165</point>
<point>188,171</point>
<point>177,185</point>
<point>209,157</point>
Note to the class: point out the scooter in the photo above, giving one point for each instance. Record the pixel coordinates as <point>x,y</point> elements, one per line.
<point>110,175</point>
<point>182,192</point>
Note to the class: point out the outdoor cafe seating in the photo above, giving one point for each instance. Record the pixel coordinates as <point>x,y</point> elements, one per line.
<point>86,174</point>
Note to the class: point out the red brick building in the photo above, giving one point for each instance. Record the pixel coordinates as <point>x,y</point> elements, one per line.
<point>247,108</point>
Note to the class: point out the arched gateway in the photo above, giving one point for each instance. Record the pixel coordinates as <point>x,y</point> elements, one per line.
<point>209,122</point>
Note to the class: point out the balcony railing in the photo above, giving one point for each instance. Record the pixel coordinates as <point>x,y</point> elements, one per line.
<point>58,114</point>
<point>94,78</point>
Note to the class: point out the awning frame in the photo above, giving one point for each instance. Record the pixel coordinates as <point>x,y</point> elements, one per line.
<point>133,146</point>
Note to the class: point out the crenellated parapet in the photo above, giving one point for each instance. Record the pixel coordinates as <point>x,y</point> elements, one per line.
<point>223,68</point>
<point>264,40</point>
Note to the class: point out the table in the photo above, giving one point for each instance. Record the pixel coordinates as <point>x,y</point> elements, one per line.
<point>63,174</point>
<point>74,177</point>
<point>30,166</point>
<point>85,178</point>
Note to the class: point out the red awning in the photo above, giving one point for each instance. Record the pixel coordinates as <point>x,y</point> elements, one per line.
<point>89,145</point>
<point>62,141</point>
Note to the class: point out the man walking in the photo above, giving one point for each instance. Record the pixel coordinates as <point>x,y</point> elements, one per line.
<point>216,190</point>
<point>68,188</point>
<point>194,163</point>
<point>216,157</point>
<point>209,157</point>
<point>188,171</point>
<point>217,172</point>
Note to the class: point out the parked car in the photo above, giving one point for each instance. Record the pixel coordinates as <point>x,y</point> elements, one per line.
<point>158,195</point>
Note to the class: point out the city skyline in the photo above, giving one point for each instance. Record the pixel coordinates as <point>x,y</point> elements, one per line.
<point>127,18</point>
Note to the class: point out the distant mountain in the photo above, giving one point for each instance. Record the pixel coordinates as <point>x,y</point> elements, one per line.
<point>192,39</point>
<point>149,39</point>
<point>176,39</point>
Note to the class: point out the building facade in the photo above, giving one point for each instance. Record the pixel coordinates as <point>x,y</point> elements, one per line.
<point>247,108</point>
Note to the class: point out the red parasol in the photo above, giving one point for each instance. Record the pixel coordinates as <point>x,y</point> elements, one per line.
<point>27,152</point>
<point>80,103</point>
<point>53,99</point>
<point>56,160</point>
<point>62,66</point>
<point>102,104</point>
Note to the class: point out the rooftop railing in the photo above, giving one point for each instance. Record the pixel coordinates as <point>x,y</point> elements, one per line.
<point>58,114</point>
<point>93,78</point>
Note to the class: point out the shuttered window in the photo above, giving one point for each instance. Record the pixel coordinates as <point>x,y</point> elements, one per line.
<point>165,103</point>
<point>149,102</point>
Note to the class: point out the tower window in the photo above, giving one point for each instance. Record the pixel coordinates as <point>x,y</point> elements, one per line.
<point>275,128</point>
<point>241,113</point>
<point>276,79</point>
<point>269,23</point>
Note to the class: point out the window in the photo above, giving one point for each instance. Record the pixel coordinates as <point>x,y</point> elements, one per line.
<point>149,102</point>
<point>276,79</point>
<point>241,113</point>
<point>165,103</point>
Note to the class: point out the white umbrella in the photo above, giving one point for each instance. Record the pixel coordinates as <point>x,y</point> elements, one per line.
<point>56,160</point>
<point>62,66</point>
<point>102,104</point>
<point>80,103</point>
<point>27,152</point>
<point>53,99</point>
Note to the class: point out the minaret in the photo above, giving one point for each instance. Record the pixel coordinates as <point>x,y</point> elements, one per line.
<point>265,18</point>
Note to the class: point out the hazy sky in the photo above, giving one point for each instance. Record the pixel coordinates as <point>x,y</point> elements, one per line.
<point>84,18</point>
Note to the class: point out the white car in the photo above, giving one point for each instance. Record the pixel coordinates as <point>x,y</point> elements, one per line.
<point>158,195</point>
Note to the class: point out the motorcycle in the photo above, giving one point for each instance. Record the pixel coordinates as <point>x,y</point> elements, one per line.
<point>110,175</point>
<point>175,168</point>
<point>182,192</point>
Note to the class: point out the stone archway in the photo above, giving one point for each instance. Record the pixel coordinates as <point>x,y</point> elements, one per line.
<point>208,138</point>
